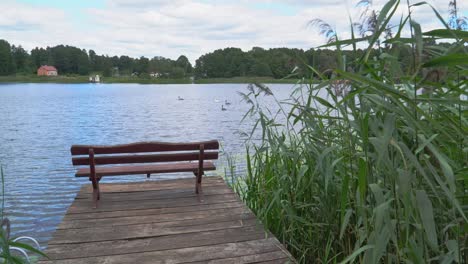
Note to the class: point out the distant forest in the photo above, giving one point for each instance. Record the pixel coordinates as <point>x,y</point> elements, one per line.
<point>222,63</point>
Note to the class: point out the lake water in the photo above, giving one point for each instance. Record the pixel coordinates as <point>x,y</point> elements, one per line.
<point>39,123</point>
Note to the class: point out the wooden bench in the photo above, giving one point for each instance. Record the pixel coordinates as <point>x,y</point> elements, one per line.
<point>163,158</point>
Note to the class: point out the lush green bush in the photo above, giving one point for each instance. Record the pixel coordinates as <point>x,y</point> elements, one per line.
<point>377,172</point>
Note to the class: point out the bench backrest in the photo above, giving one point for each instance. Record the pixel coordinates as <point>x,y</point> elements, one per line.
<point>84,154</point>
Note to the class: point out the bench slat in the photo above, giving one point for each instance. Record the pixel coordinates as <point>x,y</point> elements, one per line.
<point>145,169</point>
<point>143,147</point>
<point>122,159</point>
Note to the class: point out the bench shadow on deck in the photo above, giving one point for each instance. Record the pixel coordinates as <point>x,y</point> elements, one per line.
<point>163,222</point>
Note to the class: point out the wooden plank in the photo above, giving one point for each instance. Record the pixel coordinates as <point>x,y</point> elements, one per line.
<point>269,257</point>
<point>85,206</point>
<point>145,169</point>
<point>277,261</point>
<point>176,200</point>
<point>192,254</point>
<point>155,211</point>
<point>122,159</point>
<point>157,197</point>
<point>159,194</point>
<point>184,240</point>
<point>146,219</point>
<point>144,186</point>
<point>67,236</point>
<point>143,147</point>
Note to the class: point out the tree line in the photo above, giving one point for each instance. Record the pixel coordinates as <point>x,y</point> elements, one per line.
<point>71,60</point>
<point>222,63</point>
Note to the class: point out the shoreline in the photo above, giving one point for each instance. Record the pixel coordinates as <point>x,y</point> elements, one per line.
<point>135,80</point>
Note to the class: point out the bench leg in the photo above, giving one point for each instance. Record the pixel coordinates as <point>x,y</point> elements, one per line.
<point>96,193</point>
<point>95,199</point>
<point>198,187</point>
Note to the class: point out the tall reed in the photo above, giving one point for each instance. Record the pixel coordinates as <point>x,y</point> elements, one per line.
<point>377,172</point>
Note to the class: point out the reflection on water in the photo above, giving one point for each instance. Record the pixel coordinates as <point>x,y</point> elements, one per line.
<point>39,123</point>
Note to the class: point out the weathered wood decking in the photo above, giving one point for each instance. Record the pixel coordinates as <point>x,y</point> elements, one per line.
<point>163,222</point>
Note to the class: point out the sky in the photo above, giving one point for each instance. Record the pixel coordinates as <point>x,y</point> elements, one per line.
<point>170,28</point>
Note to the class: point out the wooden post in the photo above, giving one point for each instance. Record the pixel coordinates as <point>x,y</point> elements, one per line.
<point>93,178</point>
<point>200,172</point>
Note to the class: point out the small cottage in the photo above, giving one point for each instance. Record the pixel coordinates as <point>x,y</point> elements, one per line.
<point>46,70</point>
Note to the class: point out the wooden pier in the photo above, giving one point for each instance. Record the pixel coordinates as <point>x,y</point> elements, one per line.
<point>163,222</point>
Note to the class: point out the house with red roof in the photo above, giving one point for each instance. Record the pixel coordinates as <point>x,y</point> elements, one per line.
<point>46,70</point>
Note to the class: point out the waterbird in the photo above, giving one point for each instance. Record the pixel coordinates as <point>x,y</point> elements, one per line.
<point>222,108</point>
<point>180,98</point>
<point>226,102</point>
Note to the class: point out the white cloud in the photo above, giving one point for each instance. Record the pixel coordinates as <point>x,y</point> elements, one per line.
<point>171,28</point>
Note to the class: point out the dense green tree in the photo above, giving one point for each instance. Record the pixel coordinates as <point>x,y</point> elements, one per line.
<point>261,69</point>
<point>69,60</point>
<point>6,61</point>
<point>142,65</point>
<point>229,62</point>
<point>184,63</point>
<point>21,60</point>
<point>177,72</point>
<point>326,60</point>
<point>126,65</point>
<point>106,66</point>
<point>92,60</point>
<point>115,60</point>
<point>39,56</point>
<point>232,62</point>
<point>161,65</point>
<point>83,64</point>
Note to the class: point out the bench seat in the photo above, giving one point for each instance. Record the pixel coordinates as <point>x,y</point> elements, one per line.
<point>144,158</point>
<point>146,169</point>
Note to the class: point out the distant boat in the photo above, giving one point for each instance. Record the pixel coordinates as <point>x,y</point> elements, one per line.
<point>94,79</point>
<point>222,108</point>
<point>180,98</point>
<point>226,102</point>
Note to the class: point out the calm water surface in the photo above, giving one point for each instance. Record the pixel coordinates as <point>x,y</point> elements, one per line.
<point>39,123</point>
